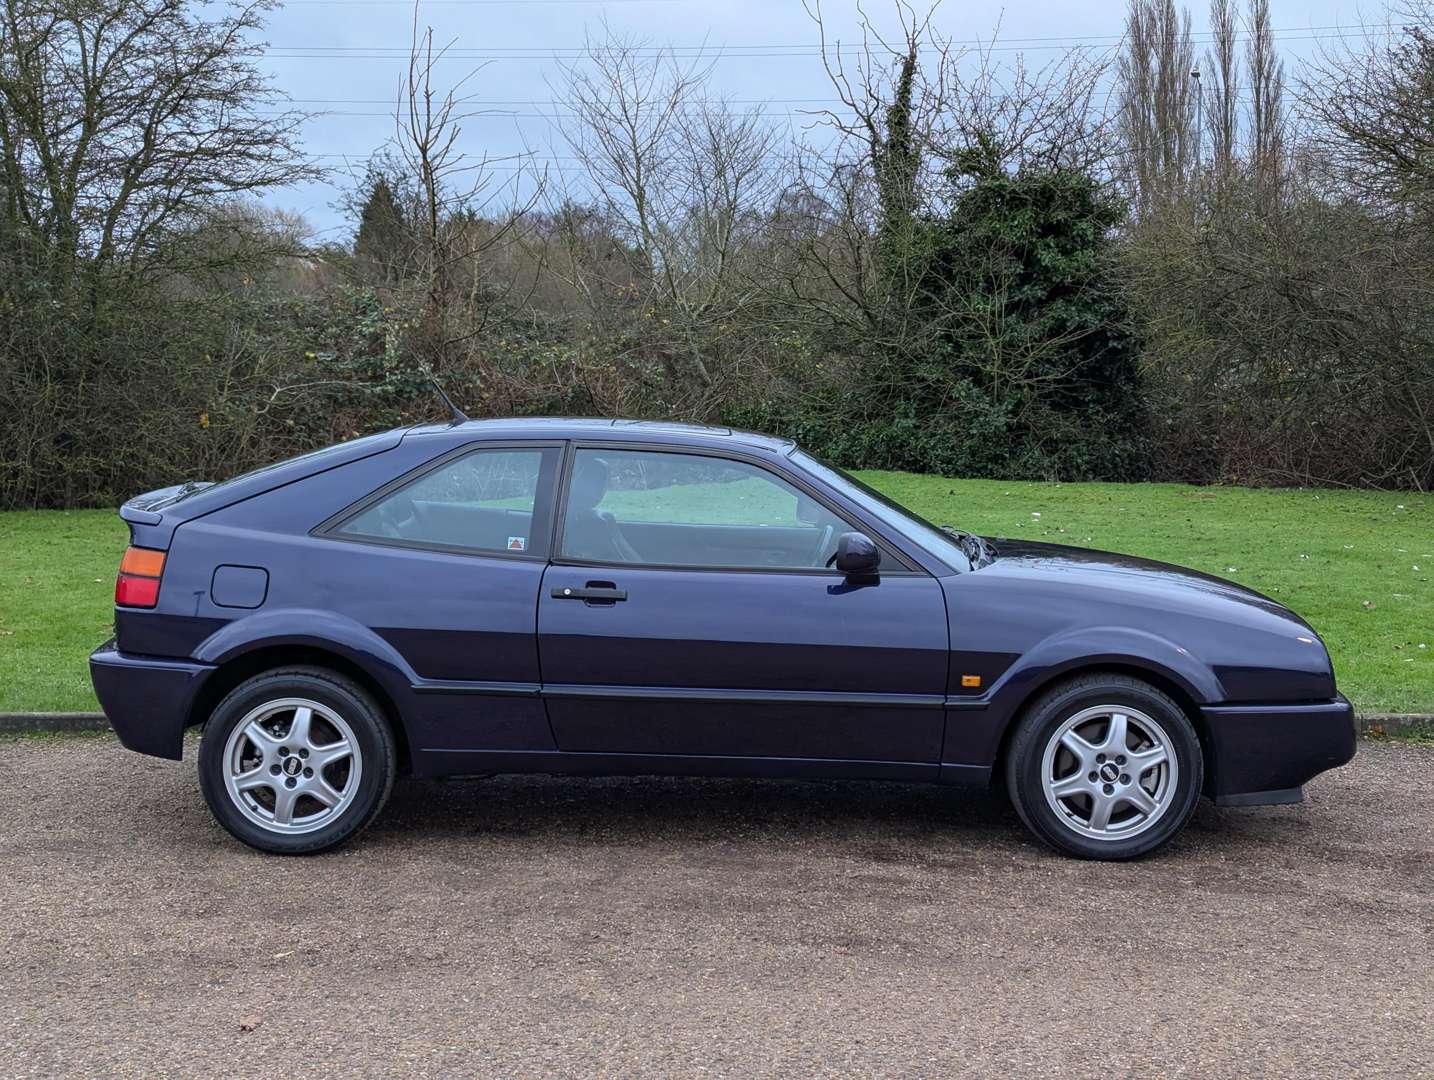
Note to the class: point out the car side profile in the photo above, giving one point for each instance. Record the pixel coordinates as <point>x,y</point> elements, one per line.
<point>622,597</point>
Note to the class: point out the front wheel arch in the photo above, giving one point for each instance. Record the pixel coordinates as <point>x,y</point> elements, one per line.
<point>1095,694</point>
<point>1169,687</point>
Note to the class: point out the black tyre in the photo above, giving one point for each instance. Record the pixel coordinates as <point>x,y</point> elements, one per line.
<point>296,761</point>
<point>1104,767</point>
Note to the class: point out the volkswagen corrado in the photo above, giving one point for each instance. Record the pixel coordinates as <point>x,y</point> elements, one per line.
<point>615,597</point>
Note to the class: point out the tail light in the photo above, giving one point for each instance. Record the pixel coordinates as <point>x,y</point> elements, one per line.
<point>138,581</point>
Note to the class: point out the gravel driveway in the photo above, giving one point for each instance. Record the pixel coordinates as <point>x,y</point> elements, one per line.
<point>530,924</point>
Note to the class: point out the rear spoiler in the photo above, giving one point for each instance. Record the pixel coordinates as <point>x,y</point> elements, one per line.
<point>145,509</point>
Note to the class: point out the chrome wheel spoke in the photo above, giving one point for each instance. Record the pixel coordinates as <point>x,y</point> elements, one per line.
<point>299,728</point>
<point>323,756</point>
<point>1082,750</point>
<point>1075,784</point>
<point>262,737</point>
<point>1115,738</point>
<point>253,779</point>
<point>1141,799</point>
<point>284,799</point>
<point>1100,808</point>
<point>324,792</point>
<point>1142,762</point>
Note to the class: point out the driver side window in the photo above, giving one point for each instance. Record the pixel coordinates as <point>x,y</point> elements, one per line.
<point>672,509</point>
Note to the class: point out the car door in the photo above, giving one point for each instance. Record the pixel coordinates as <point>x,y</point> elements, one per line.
<point>689,611</point>
<point>444,564</point>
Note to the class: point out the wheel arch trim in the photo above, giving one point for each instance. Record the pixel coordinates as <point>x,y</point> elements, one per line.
<point>309,627</point>
<point>294,637</point>
<point>978,729</point>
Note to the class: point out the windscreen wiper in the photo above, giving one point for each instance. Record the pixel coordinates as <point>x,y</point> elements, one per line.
<point>975,548</point>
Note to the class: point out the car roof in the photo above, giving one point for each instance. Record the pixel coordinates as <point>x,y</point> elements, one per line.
<point>606,430</point>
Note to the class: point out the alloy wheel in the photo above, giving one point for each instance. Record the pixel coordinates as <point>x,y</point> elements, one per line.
<point>292,766</point>
<point>1109,772</point>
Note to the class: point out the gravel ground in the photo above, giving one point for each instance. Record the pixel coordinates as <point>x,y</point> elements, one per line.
<point>531,924</point>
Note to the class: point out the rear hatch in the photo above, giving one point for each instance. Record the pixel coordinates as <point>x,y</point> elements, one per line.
<point>153,516</point>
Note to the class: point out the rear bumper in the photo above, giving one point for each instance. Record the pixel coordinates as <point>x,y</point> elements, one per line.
<point>146,699</point>
<point>1266,753</point>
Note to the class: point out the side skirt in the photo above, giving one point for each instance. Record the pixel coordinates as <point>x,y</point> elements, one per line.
<point>441,762</point>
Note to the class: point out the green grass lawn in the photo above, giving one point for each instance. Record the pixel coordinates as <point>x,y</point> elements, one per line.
<point>1357,565</point>
<point>57,587</point>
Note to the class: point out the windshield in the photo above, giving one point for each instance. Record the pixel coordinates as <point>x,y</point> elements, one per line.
<point>932,537</point>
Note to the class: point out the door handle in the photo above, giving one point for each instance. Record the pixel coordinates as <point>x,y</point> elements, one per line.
<point>589,592</point>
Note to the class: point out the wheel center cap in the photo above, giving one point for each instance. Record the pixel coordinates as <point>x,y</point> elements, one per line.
<point>292,766</point>
<point>1108,772</point>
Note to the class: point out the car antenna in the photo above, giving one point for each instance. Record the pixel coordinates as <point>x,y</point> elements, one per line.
<point>459,416</point>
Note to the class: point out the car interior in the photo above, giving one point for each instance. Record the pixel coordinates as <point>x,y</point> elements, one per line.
<point>593,533</point>
<point>445,524</point>
<point>600,535</point>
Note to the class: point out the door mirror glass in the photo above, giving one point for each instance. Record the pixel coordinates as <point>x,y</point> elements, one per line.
<point>857,555</point>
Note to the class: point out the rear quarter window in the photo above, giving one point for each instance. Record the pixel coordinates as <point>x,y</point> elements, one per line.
<point>492,500</point>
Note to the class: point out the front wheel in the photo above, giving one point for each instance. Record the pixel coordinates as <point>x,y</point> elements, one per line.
<point>1105,767</point>
<point>296,761</point>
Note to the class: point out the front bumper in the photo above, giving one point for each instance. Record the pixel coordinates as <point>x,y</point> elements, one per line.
<point>146,699</point>
<point>1266,753</point>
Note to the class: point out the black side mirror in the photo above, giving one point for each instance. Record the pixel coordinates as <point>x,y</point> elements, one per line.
<point>857,555</point>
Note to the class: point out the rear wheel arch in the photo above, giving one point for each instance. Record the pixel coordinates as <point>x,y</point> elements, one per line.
<point>297,760</point>
<point>245,666</point>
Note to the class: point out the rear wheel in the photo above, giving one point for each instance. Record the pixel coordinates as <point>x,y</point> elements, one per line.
<point>296,761</point>
<point>1105,767</point>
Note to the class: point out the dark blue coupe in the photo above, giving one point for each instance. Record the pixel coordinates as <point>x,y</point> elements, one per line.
<point>599,597</point>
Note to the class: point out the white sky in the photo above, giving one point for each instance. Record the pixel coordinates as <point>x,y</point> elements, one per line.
<point>345,58</point>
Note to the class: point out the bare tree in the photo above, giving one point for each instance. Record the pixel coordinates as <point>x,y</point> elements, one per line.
<point>627,103</point>
<point>683,176</point>
<point>1026,117</point>
<point>124,121</point>
<point>1224,108</point>
<point>892,104</point>
<point>1284,316</point>
<point>1370,113</point>
<point>462,212</point>
<point>1156,101</point>
<point>866,175</point>
<point>1267,116</point>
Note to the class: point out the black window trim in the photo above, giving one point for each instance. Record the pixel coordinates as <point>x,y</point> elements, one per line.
<point>905,567</point>
<point>328,528</point>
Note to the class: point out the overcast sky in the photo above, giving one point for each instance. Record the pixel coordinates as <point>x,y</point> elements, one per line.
<point>344,58</point>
